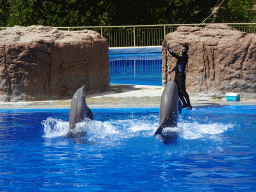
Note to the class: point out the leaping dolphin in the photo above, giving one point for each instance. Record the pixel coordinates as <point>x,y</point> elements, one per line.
<point>168,111</point>
<point>78,109</point>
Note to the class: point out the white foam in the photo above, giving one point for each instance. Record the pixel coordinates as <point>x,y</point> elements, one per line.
<point>195,130</point>
<point>138,126</point>
<point>123,129</point>
<point>55,127</point>
<point>167,130</point>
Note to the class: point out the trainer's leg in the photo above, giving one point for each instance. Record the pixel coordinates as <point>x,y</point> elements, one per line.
<point>181,96</point>
<point>184,92</point>
<point>178,82</point>
<point>187,99</point>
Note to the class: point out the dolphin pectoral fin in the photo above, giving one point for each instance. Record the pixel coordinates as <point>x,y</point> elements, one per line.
<point>159,130</point>
<point>90,115</point>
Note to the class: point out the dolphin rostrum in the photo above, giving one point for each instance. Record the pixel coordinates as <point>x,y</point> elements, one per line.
<point>78,109</point>
<point>168,110</point>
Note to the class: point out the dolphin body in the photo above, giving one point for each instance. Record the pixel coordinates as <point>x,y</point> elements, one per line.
<point>78,109</point>
<point>168,114</point>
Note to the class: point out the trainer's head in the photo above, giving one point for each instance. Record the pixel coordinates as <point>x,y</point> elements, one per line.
<point>185,48</point>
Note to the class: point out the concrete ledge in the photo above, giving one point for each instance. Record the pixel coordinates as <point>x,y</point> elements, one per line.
<point>123,96</point>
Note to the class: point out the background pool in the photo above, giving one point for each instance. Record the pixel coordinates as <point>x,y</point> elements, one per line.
<point>136,66</point>
<point>136,72</point>
<point>215,151</point>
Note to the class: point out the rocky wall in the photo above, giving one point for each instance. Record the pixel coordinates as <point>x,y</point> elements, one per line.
<point>40,62</point>
<point>221,59</point>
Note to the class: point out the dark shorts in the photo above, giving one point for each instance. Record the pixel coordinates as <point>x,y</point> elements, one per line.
<point>180,81</point>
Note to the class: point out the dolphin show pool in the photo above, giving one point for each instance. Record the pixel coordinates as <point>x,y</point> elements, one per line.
<point>214,151</point>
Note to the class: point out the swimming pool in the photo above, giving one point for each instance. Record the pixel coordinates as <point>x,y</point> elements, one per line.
<point>136,72</point>
<point>215,151</point>
<point>137,66</point>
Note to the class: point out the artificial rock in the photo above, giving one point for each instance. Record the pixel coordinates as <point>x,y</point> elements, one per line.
<point>40,62</point>
<point>221,59</point>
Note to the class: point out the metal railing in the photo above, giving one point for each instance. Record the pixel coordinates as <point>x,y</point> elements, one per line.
<point>132,35</point>
<point>145,35</point>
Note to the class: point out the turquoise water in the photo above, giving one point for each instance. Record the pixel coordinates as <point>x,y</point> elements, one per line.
<point>214,151</point>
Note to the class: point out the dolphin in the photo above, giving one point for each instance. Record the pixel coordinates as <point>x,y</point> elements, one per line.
<point>168,113</point>
<point>78,109</point>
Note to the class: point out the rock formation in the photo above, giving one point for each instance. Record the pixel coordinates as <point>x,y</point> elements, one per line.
<point>39,62</point>
<point>221,59</point>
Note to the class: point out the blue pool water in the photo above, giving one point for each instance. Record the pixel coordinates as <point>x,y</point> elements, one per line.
<point>136,72</point>
<point>214,151</point>
<point>137,66</point>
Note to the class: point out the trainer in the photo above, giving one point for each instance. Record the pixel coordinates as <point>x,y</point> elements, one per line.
<point>180,75</point>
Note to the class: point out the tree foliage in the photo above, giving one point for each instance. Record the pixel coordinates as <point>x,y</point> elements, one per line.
<point>232,11</point>
<point>4,12</point>
<point>56,12</point>
<point>160,11</point>
<point>109,12</point>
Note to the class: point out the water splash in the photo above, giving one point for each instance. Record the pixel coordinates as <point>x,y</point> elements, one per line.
<point>55,127</point>
<point>194,130</point>
<point>124,129</point>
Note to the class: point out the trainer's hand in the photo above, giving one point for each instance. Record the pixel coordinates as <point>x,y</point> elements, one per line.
<point>165,44</point>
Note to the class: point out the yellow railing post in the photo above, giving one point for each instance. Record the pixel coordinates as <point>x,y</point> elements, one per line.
<point>164,31</point>
<point>134,37</point>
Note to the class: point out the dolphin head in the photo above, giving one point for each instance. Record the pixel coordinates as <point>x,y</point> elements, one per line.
<point>83,90</point>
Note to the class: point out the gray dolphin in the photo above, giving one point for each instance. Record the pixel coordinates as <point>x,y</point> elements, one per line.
<point>168,111</point>
<point>78,109</point>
